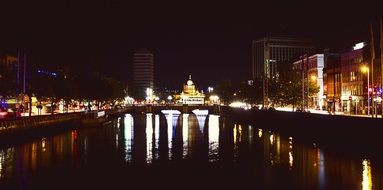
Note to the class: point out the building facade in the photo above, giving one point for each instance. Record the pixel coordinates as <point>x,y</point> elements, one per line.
<point>354,82</point>
<point>190,94</point>
<point>268,52</point>
<point>332,76</point>
<point>314,66</point>
<point>9,75</point>
<point>143,73</point>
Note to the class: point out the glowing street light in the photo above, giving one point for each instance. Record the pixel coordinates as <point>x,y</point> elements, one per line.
<point>214,99</point>
<point>365,69</point>
<point>313,78</point>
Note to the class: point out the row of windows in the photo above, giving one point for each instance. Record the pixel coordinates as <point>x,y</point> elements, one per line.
<point>286,53</point>
<point>353,61</point>
<point>355,90</point>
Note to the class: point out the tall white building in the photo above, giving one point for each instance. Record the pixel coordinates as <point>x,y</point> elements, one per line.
<point>315,74</point>
<point>143,72</point>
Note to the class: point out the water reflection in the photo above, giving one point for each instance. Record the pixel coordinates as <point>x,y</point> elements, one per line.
<point>185,135</point>
<point>149,138</point>
<point>291,157</point>
<point>201,117</point>
<point>156,136</point>
<point>128,134</point>
<point>274,160</point>
<point>237,137</point>
<point>366,179</point>
<point>2,159</point>
<point>213,138</point>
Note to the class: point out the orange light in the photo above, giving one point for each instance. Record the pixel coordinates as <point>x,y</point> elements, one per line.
<point>364,69</point>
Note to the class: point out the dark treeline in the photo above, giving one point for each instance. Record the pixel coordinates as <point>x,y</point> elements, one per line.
<point>83,85</point>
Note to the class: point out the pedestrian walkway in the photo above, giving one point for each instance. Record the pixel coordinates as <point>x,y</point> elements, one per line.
<point>325,112</point>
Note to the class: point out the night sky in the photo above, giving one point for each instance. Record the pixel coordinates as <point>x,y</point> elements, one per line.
<point>211,41</point>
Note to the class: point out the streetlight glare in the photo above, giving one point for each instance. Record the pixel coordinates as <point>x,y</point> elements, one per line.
<point>313,77</point>
<point>364,69</point>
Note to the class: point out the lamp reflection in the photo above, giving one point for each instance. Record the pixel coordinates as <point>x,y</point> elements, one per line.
<point>156,136</point>
<point>128,133</point>
<point>185,134</point>
<point>2,158</point>
<point>260,133</point>
<point>291,158</point>
<point>237,134</point>
<point>367,179</point>
<point>169,120</point>
<point>213,137</point>
<point>43,144</point>
<point>149,138</point>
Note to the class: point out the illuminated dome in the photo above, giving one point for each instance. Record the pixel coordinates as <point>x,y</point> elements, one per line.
<point>189,82</point>
<point>190,95</point>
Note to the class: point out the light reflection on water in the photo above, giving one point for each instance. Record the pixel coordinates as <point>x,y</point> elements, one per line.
<point>149,138</point>
<point>213,137</point>
<point>204,139</point>
<point>291,158</point>
<point>185,134</point>
<point>366,179</point>
<point>128,133</point>
<point>156,136</point>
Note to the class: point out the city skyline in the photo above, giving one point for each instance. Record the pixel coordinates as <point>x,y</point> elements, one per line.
<point>210,41</point>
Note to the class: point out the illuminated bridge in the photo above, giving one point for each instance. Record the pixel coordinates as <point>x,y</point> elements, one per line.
<point>213,109</point>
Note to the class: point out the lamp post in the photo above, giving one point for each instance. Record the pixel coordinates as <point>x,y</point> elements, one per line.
<point>313,79</point>
<point>366,69</point>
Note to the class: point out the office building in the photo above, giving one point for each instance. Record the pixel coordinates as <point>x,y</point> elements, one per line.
<point>268,52</point>
<point>143,73</point>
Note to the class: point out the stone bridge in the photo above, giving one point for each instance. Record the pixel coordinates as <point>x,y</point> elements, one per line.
<point>212,109</point>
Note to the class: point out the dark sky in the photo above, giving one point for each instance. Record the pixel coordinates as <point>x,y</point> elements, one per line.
<point>211,41</point>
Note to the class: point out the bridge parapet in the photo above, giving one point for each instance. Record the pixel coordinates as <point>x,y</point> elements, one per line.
<point>213,109</point>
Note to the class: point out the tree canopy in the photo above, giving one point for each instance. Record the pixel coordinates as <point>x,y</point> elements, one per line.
<point>286,89</point>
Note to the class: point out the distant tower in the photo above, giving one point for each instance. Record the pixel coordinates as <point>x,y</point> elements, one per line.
<point>143,73</point>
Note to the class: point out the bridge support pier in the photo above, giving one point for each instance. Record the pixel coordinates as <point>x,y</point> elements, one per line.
<point>185,109</point>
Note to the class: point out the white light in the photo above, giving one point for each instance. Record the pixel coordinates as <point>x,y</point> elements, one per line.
<point>240,105</point>
<point>170,97</point>
<point>359,46</point>
<point>149,92</point>
<point>214,99</point>
<point>200,112</point>
<point>167,112</point>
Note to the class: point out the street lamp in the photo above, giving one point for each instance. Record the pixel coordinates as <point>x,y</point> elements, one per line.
<point>313,79</point>
<point>170,98</point>
<point>365,69</point>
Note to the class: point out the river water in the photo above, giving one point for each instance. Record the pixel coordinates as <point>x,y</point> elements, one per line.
<point>181,151</point>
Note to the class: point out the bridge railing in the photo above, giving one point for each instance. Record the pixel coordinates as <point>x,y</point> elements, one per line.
<point>24,122</point>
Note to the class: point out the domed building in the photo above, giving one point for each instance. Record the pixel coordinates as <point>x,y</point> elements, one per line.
<point>190,95</point>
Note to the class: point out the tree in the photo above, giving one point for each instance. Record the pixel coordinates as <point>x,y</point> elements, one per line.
<point>286,89</point>
<point>225,90</point>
